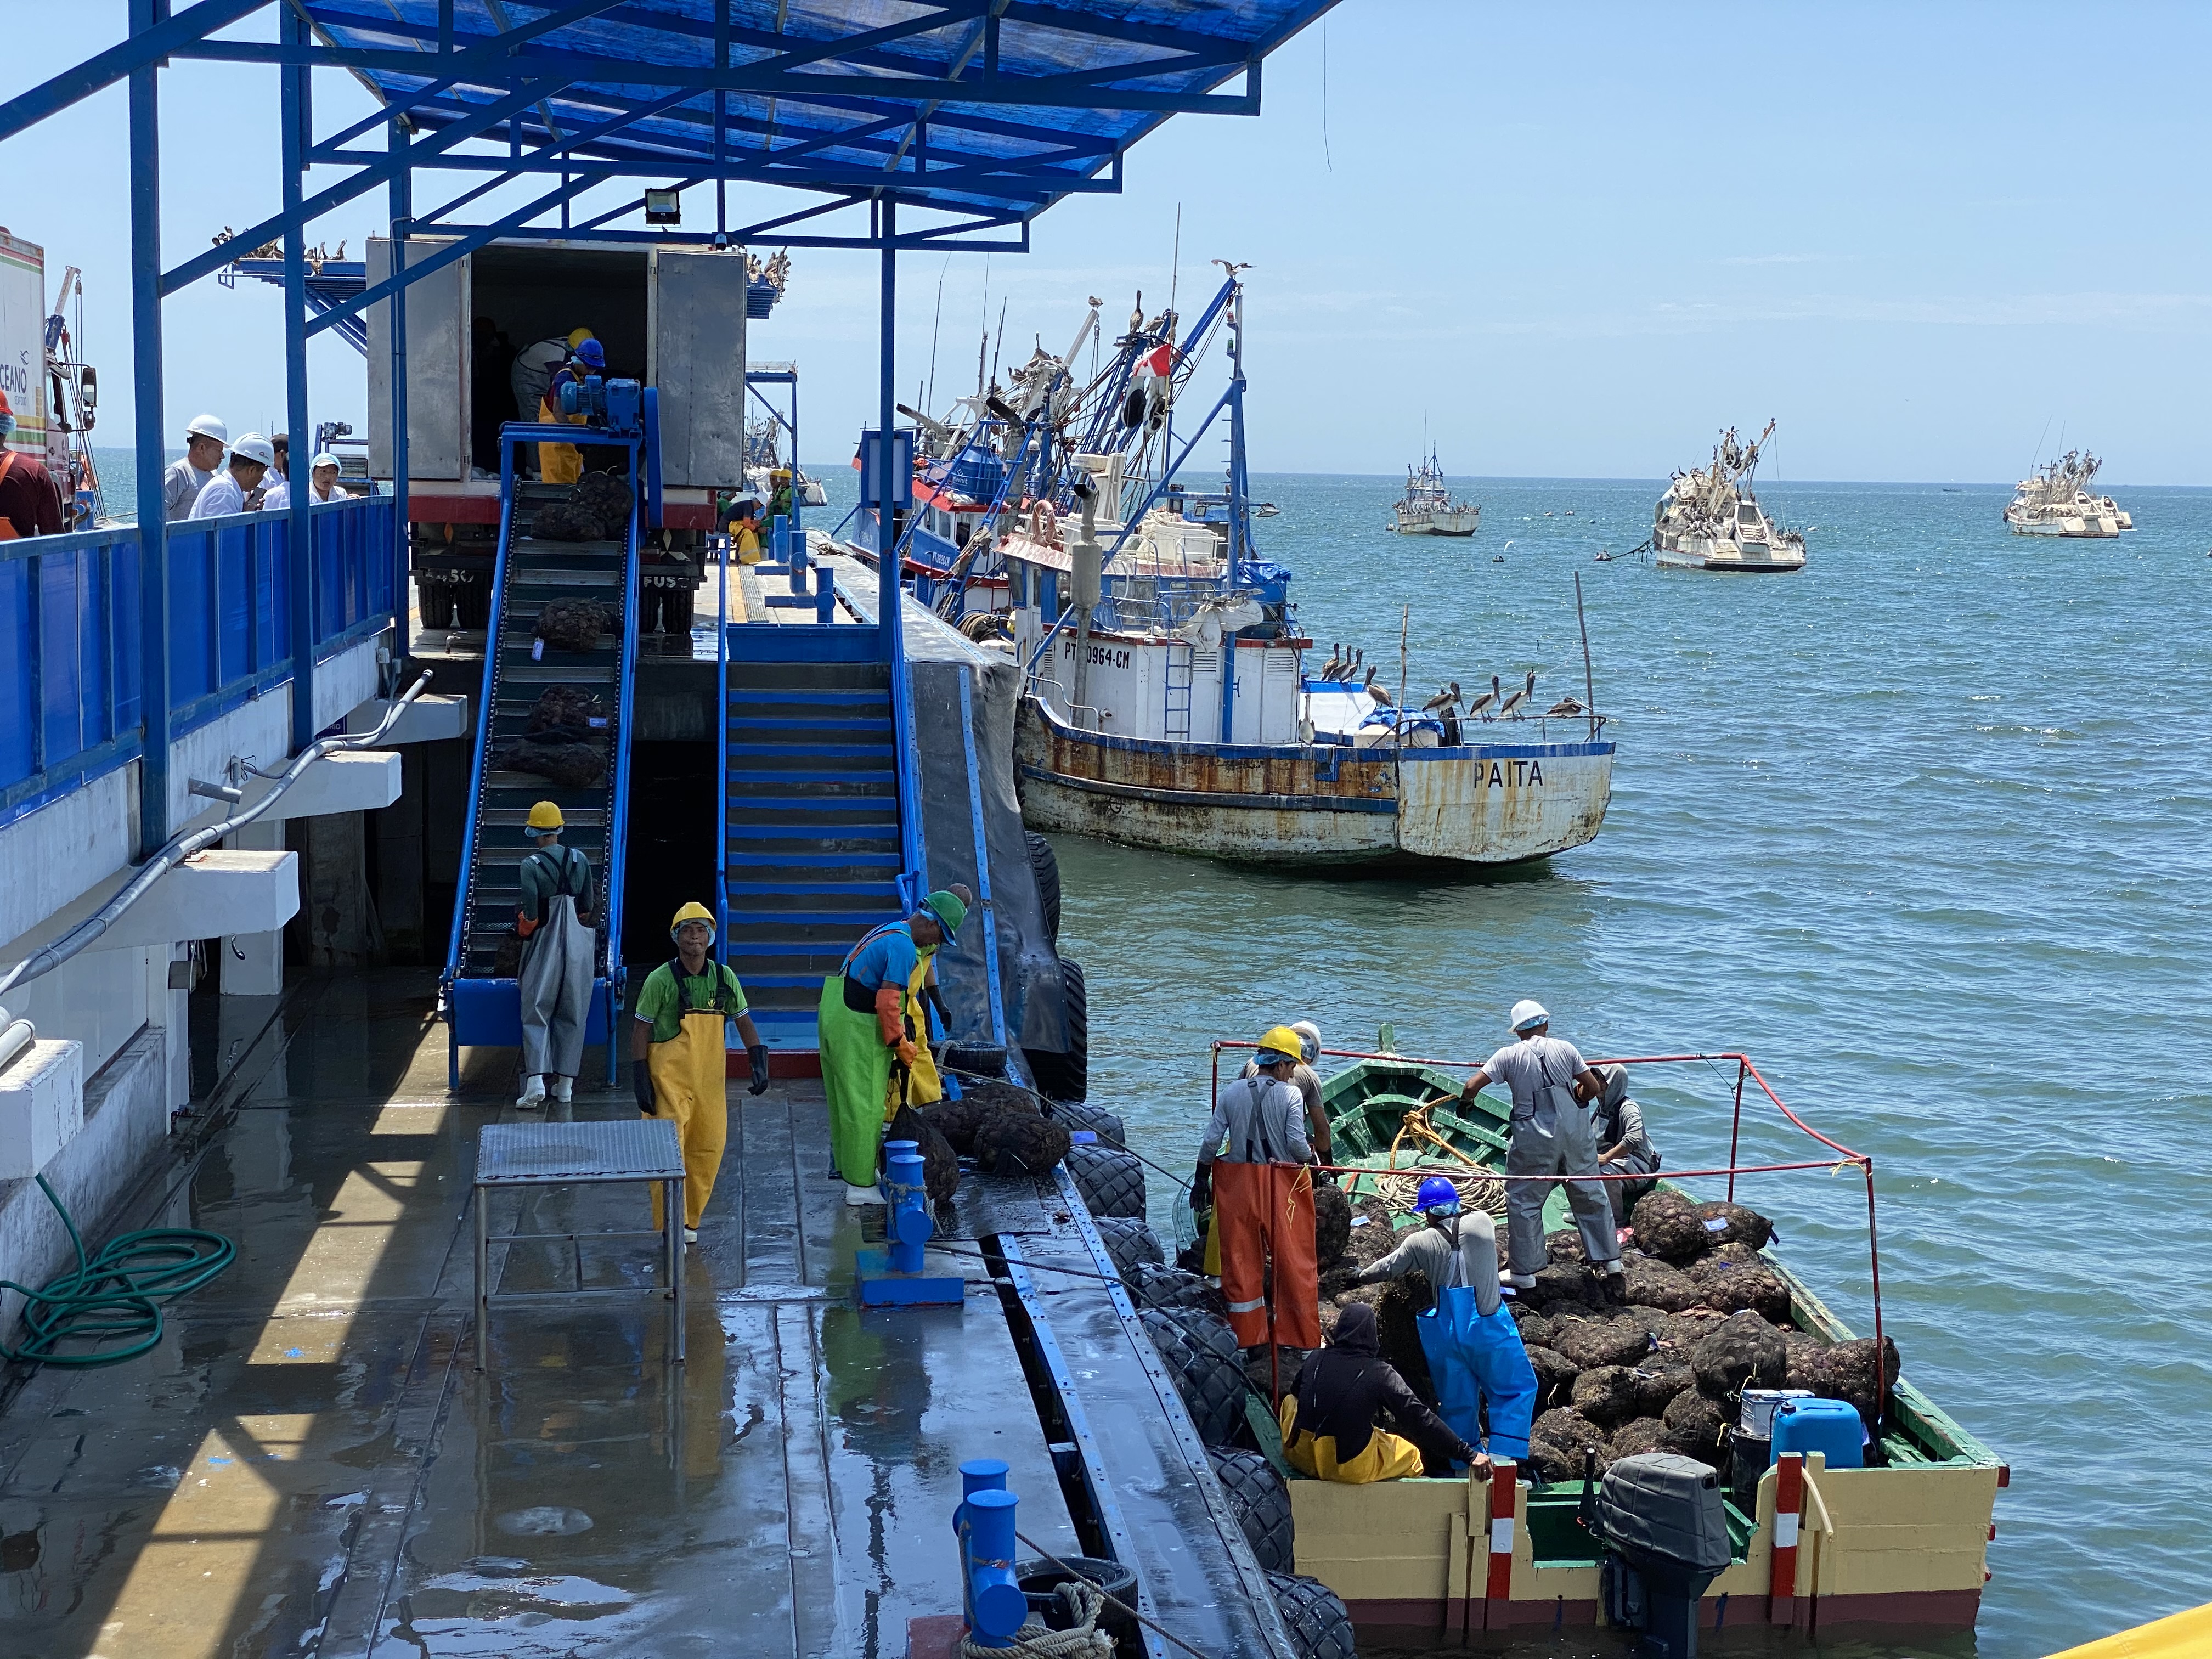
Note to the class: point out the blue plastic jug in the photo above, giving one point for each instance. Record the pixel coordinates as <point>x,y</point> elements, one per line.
<point>1831,1426</point>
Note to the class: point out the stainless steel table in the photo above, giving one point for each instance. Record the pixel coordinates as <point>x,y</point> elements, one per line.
<point>510,1155</point>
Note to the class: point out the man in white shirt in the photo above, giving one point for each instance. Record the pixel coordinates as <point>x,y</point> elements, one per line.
<point>204,439</point>
<point>1552,1088</point>
<point>250,458</point>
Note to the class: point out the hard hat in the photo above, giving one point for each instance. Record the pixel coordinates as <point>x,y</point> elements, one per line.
<point>208,426</point>
<point>255,447</point>
<point>1528,1011</point>
<point>6,408</point>
<point>544,817</point>
<point>1283,1043</point>
<point>577,336</point>
<point>591,354</point>
<point>325,459</point>
<point>1308,1039</point>
<point>949,911</point>
<point>1435,1192</point>
<point>694,911</point>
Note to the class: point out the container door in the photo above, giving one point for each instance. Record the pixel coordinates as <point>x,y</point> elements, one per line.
<point>697,319</point>
<point>437,366</point>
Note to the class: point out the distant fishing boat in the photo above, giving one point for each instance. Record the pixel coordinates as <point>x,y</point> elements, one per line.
<point>1168,703</point>
<point>2054,500</point>
<point>1709,519</point>
<point>1427,509</point>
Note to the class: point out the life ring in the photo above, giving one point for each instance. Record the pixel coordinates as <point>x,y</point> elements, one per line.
<point>1043,521</point>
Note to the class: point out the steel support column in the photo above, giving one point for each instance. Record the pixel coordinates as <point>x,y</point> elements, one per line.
<point>299,551</point>
<point>887,561</point>
<point>401,205</point>
<point>148,417</point>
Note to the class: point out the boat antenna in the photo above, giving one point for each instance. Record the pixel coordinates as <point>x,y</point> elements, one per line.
<point>1398,714</point>
<point>1175,261</point>
<point>1000,341</point>
<point>930,401</point>
<point>1589,680</point>
<point>2047,419</point>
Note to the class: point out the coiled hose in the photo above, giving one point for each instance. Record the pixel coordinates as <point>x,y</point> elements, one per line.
<point>115,1297</point>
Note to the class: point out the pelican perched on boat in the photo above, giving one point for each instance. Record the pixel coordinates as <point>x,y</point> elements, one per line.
<point>1374,690</point>
<point>1486,704</point>
<point>1446,697</point>
<point>1520,696</point>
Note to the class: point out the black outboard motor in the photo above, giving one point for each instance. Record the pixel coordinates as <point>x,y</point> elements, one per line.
<point>1659,1519</point>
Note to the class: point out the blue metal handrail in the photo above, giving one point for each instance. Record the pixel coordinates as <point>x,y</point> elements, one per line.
<point>69,621</point>
<point>722,742</point>
<point>471,827</point>
<point>625,693</point>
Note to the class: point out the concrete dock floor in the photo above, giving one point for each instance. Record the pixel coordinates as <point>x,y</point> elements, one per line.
<point>309,1464</point>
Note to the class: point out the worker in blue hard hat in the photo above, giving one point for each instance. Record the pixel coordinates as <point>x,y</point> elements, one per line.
<point>1552,1088</point>
<point>1473,1346</point>
<point>564,463</point>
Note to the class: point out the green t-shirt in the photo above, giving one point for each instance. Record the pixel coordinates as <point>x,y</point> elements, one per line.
<point>667,995</point>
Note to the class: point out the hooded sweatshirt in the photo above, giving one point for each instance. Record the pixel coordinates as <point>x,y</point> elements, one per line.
<point>1618,1119</point>
<point>1342,1386</point>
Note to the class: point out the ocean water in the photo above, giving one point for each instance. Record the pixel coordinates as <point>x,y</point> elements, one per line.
<point>1923,831</point>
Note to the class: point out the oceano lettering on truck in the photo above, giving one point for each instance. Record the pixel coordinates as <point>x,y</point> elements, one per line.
<point>1513,773</point>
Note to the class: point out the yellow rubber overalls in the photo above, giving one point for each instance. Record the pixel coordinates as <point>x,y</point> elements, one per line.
<point>1386,1456</point>
<point>558,463</point>
<point>923,1085</point>
<point>690,1077</point>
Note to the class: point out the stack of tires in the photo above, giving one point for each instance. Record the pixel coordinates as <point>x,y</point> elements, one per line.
<point>1061,1075</point>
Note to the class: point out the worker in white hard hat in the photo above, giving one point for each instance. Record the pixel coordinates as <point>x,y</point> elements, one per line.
<point>205,439</point>
<point>275,495</point>
<point>1552,1088</point>
<point>323,479</point>
<point>251,458</point>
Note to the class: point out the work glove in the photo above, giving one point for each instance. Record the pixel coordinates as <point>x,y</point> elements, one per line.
<point>908,1054</point>
<point>1201,1188</point>
<point>758,1055</point>
<point>640,1084</point>
<point>930,997</point>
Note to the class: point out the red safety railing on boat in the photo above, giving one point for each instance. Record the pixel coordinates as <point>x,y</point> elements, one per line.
<point>1846,1158</point>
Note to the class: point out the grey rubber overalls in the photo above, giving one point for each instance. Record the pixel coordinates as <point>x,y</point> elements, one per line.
<point>1552,1136</point>
<point>555,977</point>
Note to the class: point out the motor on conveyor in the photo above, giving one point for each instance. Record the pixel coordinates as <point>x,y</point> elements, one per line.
<point>614,405</point>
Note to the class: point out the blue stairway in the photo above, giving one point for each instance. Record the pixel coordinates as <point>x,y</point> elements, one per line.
<point>811,829</point>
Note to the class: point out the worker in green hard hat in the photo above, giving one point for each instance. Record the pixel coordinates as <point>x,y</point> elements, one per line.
<point>868,1048</point>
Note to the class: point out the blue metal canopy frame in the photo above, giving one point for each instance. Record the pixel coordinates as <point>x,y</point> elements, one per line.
<point>973,115</point>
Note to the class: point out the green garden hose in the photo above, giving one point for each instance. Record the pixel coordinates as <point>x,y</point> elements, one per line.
<point>116,1297</point>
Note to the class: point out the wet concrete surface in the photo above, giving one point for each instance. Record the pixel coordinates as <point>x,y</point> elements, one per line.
<point>310,1464</point>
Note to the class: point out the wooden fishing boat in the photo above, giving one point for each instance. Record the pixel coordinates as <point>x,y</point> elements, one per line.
<point>1900,1543</point>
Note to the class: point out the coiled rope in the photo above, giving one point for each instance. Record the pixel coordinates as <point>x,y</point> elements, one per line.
<point>1080,1602</point>
<point>114,1298</point>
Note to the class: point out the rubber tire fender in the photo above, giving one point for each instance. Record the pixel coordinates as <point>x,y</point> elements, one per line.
<point>436,600</point>
<point>1082,1115</point>
<point>1262,1504</point>
<point>987,1060</point>
<point>1067,1075</point>
<point>1319,1624</point>
<point>1046,863</point>
<point>1174,1290</point>
<point>1132,1243</point>
<point>1111,1181</point>
<point>1212,1384</point>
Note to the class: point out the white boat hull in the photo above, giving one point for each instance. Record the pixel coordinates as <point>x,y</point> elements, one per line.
<point>1491,803</point>
<point>2096,528</point>
<point>1441,524</point>
<point>1748,558</point>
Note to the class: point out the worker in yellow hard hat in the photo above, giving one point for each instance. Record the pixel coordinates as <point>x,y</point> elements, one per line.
<point>678,1054</point>
<point>1252,1168</point>
<point>559,950</point>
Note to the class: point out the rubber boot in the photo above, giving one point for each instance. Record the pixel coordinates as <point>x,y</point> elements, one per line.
<point>532,1096</point>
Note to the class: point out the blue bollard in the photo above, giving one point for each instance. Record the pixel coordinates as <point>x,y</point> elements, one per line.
<point>994,1603</point>
<point>977,1475</point>
<point>825,599</point>
<point>779,539</point>
<point>908,1226</point>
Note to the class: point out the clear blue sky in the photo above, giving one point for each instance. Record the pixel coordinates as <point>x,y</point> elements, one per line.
<point>1576,239</point>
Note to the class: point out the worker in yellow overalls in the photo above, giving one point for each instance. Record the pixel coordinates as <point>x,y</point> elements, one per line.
<point>1328,1420</point>
<point>564,463</point>
<point>678,1065</point>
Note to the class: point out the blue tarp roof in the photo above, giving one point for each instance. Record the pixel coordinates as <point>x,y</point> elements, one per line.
<point>1013,104</point>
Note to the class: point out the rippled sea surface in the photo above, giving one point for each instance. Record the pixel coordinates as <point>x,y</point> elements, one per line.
<point>1922,829</point>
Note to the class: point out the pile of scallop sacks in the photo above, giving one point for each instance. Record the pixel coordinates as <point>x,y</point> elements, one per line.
<point>1706,1318</point>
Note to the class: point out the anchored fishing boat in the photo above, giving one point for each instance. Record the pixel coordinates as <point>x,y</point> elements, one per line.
<point>2054,500</point>
<point>1168,702</point>
<point>1427,509</point>
<point>1709,519</point>
<point>1899,1538</point>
